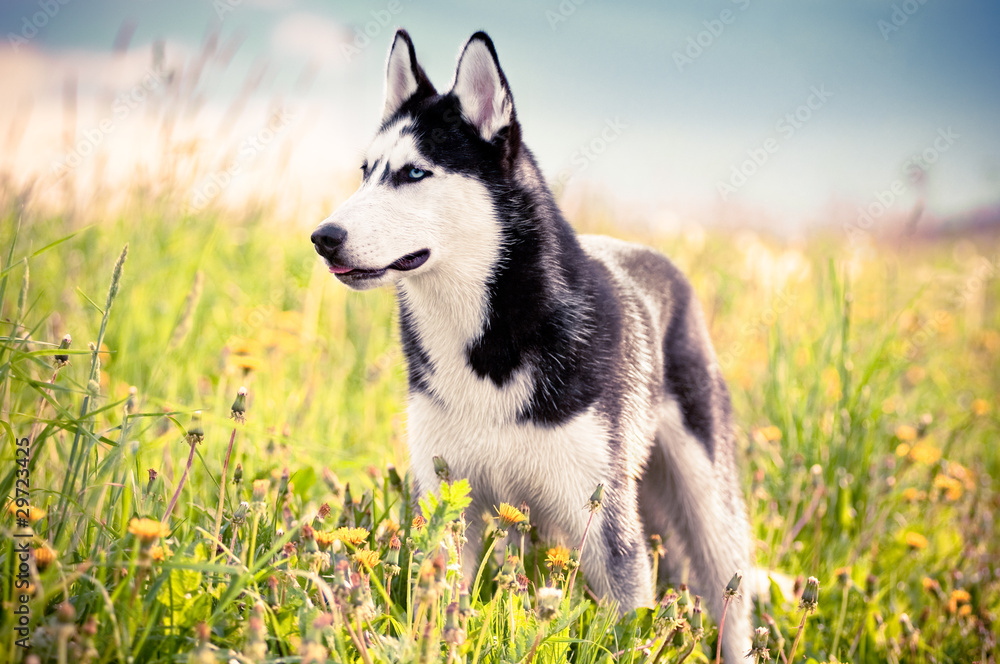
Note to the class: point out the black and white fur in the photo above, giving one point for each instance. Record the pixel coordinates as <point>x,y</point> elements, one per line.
<point>542,363</point>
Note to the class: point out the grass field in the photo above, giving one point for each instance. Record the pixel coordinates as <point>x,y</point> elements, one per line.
<point>865,378</point>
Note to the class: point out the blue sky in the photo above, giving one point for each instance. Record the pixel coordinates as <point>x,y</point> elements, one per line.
<point>689,113</point>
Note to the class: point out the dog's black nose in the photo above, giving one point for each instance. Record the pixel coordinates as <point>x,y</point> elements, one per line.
<point>327,238</point>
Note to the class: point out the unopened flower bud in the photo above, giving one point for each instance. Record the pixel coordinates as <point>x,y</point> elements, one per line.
<point>684,601</point>
<point>596,498</point>
<point>283,483</point>
<point>697,618</point>
<point>907,624</point>
<point>132,400</point>
<point>759,650</point>
<point>733,589</point>
<point>260,489</point>
<point>395,481</point>
<point>239,408</point>
<point>240,515</point>
<point>392,557</point>
<point>464,600</point>
<point>62,359</point>
<point>441,469</point>
<point>195,433</point>
<point>66,613</point>
<point>810,594</point>
<point>669,605</point>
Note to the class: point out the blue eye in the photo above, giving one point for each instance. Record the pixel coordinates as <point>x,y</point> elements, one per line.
<point>416,173</point>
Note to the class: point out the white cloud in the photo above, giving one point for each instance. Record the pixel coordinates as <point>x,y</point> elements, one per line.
<point>311,36</point>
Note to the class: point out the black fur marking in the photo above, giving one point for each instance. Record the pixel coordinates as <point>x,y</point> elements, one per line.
<point>569,335</point>
<point>686,369</point>
<point>417,361</point>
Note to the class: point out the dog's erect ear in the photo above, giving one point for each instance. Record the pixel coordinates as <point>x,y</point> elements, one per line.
<point>404,78</point>
<point>481,87</point>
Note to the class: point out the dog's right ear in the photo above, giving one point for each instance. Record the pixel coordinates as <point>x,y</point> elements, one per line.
<point>404,78</point>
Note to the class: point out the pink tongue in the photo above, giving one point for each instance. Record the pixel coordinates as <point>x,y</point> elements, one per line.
<point>339,270</point>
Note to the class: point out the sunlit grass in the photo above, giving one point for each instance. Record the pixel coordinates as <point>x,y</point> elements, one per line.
<point>865,388</point>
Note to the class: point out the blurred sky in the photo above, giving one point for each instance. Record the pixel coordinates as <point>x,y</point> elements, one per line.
<point>654,103</point>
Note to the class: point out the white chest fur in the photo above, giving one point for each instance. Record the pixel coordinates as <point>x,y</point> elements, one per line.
<point>553,469</point>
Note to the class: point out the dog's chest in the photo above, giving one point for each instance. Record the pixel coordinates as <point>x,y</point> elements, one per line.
<point>553,469</point>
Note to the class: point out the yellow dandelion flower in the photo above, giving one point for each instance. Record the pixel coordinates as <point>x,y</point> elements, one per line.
<point>366,559</point>
<point>34,513</point>
<point>915,540</point>
<point>965,610</point>
<point>912,495</point>
<point>241,346</point>
<point>958,600</point>
<point>418,522</point>
<point>906,433</point>
<point>962,474</point>
<point>961,596</point>
<point>902,450</point>
<point>767,434</point>
<point>930,584</point>
<point>246,362</point>
<point>148,530</point>
<point>44,556</point>
<point>352,536</point>
<point>286,341</point>
<point>509,515</point>
<point>159,553</point>
<point>925,453</point>
<point>980,407</point>
<point>324,538</point>
<point>557,558</point>
<point>952,488</point>
<point>988,340</point>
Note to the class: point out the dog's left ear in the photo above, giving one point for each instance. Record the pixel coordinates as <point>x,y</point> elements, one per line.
<point>481,88</point>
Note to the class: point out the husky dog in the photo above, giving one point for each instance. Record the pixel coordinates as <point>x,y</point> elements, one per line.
<point>541,363</point>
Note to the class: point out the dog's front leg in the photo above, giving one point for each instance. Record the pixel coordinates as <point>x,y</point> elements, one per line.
<point>615,558</point>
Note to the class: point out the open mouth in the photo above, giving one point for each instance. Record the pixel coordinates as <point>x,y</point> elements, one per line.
<point>402,264</point>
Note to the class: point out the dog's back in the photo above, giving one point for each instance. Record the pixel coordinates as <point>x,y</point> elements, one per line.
<point>689,491</point>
